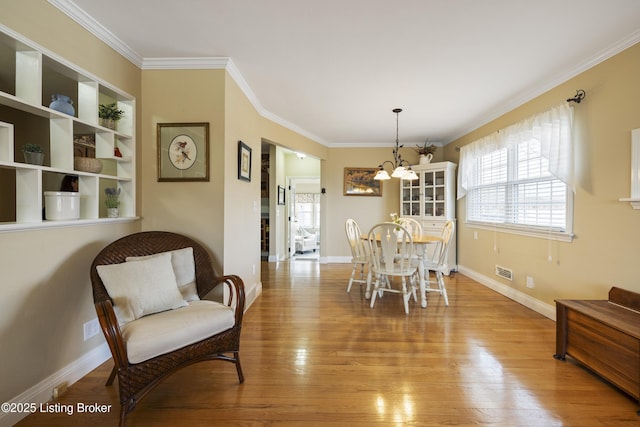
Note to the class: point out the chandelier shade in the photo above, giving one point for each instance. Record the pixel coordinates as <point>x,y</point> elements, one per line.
<point>400,168</point>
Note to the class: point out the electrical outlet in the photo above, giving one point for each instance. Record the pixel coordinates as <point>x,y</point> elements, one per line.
<point>91,328</point>
<point>530,283</point>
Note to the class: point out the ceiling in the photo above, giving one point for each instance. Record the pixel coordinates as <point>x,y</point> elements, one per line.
<point>334,69</point>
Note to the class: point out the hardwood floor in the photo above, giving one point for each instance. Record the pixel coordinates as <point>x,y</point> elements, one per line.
<point>314,355</point>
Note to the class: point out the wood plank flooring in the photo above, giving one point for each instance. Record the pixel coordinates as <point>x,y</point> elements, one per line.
<point>315,355</point>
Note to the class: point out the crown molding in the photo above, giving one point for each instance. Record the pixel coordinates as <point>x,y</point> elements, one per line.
<point>293,127</point>
<point>94,27</point>
<point>193,63</point>
<point>536,91</point>
<point>70,9</point>
<point>248,92</point>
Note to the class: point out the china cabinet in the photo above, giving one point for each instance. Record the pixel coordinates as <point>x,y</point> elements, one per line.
<point>29,77</point>
<point>430,199</point>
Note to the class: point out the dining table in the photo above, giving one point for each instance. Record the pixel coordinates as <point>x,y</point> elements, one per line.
<point>421,244</point>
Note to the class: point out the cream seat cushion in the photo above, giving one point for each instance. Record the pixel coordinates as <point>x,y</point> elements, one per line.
<point>141,288</point>
<point>164,332</point>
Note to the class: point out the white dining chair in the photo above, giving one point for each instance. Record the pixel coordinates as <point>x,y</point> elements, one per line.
<point>359,254</point>
<point>414,228</point>
<point>391,248</point>
<point>437,263</point>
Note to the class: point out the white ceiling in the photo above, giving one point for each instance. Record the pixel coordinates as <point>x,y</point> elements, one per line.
<point>334,69</point>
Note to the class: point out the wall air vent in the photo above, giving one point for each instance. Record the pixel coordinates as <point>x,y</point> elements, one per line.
<point>504,272</point>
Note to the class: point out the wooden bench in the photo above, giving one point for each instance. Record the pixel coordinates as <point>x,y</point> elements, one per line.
<point>604,336</point>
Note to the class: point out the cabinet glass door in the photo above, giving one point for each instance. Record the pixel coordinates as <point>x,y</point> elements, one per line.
<point>427,181</point>
<point>434,193</point>
<point>410,198</point>
<point>439,192</point>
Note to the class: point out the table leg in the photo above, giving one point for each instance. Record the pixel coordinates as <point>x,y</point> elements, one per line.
<point>421,271</point>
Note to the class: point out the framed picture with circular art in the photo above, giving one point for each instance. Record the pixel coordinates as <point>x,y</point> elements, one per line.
<point>183,152</point>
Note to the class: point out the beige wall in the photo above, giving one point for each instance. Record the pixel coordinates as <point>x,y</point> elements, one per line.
<point>607,242</point>
<point>193,208</point>
<point>306,167</point>
<point>337,208</point>
<point>241,198</point>
<point>45,292</point>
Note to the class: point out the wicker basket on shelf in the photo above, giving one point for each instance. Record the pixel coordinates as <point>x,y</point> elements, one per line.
<point>87,164</point>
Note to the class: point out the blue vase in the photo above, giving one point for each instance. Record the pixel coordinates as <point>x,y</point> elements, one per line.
<point>62,103</point>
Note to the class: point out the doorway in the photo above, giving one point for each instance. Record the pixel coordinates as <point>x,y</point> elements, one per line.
<point>295,177</point>
<point>304,218</point>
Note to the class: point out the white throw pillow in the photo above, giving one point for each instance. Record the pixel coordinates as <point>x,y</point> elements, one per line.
<point>183,267</point>
<point>141,288</point>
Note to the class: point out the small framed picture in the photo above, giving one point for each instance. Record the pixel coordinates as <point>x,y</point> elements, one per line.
<point>183,151</point>
<point>244,161</point>
<point>280,195</point>
<point>360,182</point>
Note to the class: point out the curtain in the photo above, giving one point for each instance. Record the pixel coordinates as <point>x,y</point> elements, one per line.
<point>552,128</point>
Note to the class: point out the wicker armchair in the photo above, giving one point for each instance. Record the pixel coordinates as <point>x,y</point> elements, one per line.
<point>135,380</point>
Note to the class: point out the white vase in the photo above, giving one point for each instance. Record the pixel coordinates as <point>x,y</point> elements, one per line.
<point>399,234</point>
<point>425,159</point>
<point>113,212</point>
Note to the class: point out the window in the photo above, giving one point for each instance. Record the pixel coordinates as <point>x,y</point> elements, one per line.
<point>307,210</point>
<point>509,178</point>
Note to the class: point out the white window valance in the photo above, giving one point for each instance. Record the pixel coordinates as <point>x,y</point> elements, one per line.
<point>552,128</point>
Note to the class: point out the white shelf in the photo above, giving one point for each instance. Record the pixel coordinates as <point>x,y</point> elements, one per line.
<point>25,117</point>
<point>12,226</point>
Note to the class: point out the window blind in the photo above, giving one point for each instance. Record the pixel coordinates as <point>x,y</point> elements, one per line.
<point>511,179</point>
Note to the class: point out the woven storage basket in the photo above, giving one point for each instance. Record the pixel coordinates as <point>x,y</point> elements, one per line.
<point>87,164</point>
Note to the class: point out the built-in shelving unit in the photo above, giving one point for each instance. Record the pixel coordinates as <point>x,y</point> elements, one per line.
<point>29,76</point>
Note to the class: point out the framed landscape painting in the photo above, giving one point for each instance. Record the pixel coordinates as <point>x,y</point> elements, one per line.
<point>360,182</point>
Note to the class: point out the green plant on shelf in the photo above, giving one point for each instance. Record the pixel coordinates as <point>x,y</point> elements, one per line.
<point>32,148</point>
<point>110,112</point>
<point>113,197</point>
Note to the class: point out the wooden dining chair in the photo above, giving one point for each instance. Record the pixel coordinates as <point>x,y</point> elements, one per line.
<point>391,248</point>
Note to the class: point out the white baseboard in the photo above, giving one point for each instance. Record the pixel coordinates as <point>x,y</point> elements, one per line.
<point>253,295</point>
<point>43,391</point>
<point>519,297</point>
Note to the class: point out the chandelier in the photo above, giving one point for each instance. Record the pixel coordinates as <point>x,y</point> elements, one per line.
<point>398,169</point>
